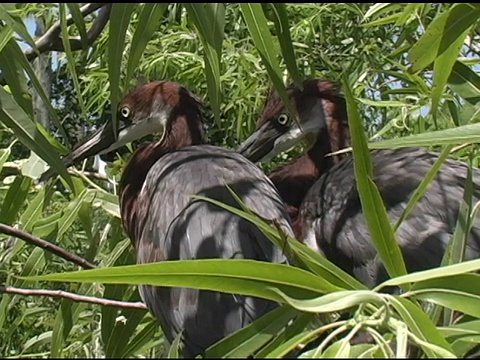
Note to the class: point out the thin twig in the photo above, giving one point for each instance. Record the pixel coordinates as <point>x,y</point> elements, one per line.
<point>72,296</point>
<point>54,249</point>
<point>51,40</point>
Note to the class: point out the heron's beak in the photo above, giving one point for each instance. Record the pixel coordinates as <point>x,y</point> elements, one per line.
<point>103,140</point>
<point>260,146</point>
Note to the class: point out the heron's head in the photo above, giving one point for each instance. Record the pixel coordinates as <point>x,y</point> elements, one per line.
<point>151,109</point>
<point>321,112</point>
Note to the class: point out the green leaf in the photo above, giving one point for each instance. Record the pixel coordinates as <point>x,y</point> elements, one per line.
<point>461,329</point>
<point>257,25</point>
<point>288,340</point>
<point>14,53</point>
<point>4,155</point>
<point>442,67</point>
<point>373,207</point>
<point>459,292</point>
<point>248,340</point>
<point>148,21</point>
<point>423,186</point>
<point>233,276</point>
<point>70,58</point>
<point>14,199</point>
<point>118,25</point>
<point>336,301</point>
<point>35,208</point>
<point>419,323</point>
<point>34,166</point>
<point>311,259</point>
<point>442,34</point>
<point>280,18</point>
<point>5,35</point>
<point>70,213</point>
<point>450,270</point>
<point>142,339</point>
<point>17,25</point>
<point>457,135</point>
<point>79,23</point>
<point>338,350</point>
<point>209,19</point>
<point>173,352</point>
<point>456,248</point>
<point>465,82</point>
<point>27,132</point>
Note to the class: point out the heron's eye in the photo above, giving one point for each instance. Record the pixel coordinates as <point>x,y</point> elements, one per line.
<point>125,112</point>
<point>283,119</point>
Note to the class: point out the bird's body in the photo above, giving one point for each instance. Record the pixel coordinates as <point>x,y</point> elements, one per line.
<point>332,219</point>
<point>329,213</point>
<point>164,221</point>
<point>171,225</point>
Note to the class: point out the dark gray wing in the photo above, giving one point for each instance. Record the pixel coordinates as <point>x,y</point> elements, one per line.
<point>333,218</point>
<point>179,227</point>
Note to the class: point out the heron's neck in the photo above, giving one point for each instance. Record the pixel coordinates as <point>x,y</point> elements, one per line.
<point>186,131</point>
<point>294,179</point>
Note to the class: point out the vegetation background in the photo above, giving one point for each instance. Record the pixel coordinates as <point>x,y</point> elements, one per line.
<point>411,78</point>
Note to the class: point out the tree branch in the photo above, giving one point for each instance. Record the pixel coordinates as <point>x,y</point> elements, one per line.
<point>51,40</point>
<point>74,297</point>
<point>54,249</point>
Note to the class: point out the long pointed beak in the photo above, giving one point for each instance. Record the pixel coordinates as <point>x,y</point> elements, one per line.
<point>97,143</point>
<point>260,145</point>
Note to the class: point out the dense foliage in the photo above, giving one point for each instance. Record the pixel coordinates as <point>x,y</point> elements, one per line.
<point>411,68</point>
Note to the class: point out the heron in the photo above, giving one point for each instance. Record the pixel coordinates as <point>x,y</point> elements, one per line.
<point>164,222</point>
<point>322,195</point>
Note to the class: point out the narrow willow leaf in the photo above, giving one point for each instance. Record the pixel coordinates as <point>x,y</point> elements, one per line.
<point>14,53</point>
<point>27,132</point>
<point>380,8</point>
<point>419,323</point>
<point>263,40</point>
<point>234,276</point>
<point>71,214</point>
<point>457,135</point>
<point>79,23</point>
<point>173,352</point>
<point>456,248</point>
<point>338,350</point>
<point>441,33</point>
<point>336,301</point>
<point>118,25</point>
<point>461,329</point>
<point>17,25</point>
<point>450,270</point>
<point>423,186</point>
<point>248,340</point>
<point>288,340</point>
<point>142,339</point>
<point>280,18</point>
<point>148,22</point>
<point>458,292</point>
<point>209,19</point>
<point>5,35</point>
<point>311,259</point>
<point>70,57</point>
<point>465,82</point>
<point>15,199</point>
<point>373,207</point>
<point>442,67</point>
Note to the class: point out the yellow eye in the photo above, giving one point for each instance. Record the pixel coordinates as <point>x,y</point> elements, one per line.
<point>283,119</point>
<point>125,112</point>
